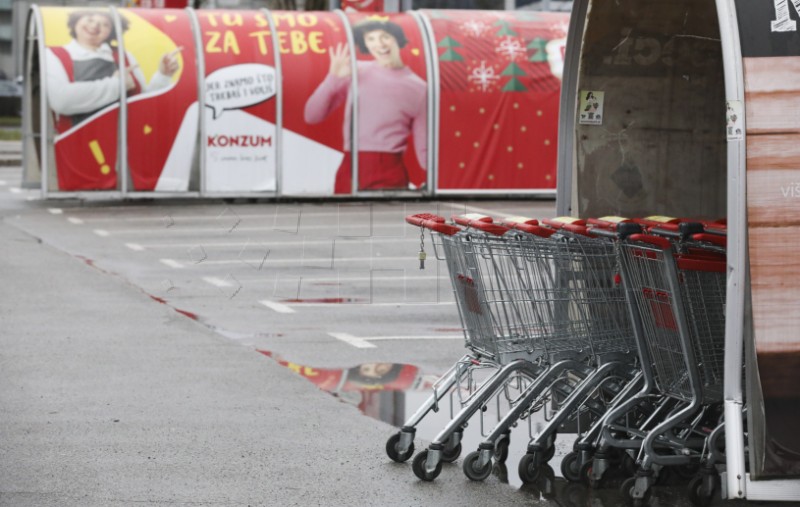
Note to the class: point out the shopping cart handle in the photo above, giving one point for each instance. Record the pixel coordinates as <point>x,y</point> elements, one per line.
<point>620,231</point>
<point>693,263</point>
<point>714,239</point>
<point>432,222</point>
<point>480,223</point>
<point>470,218</point>
<point>536,230</point>
<point>560,222</point>
<point>514,221</point>
<point>658,241</point>
<point>576,229</point>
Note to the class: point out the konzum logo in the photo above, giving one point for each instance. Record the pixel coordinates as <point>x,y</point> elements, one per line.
<point>223,141</point>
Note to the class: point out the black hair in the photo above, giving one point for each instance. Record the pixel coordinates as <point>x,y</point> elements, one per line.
<point>76,16</point>
<point>354,374</point>
<point>361,28</point>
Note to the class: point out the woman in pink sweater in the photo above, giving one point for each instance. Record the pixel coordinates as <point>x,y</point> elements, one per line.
<point>392,106</point>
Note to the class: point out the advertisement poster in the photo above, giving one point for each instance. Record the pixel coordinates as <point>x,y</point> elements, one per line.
<point>392,127</point>
<point>83,92</point>
<point>163,118</point>
<point>771,56</point>
<point>313,141</point>
<point>240,101</point>
<point>500,79</point>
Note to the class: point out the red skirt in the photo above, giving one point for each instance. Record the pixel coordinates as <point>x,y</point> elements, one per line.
<point>376,171</point>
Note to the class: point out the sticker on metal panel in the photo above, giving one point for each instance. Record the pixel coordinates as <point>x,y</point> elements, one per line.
<point>734,128</point>
<point>591,107</point>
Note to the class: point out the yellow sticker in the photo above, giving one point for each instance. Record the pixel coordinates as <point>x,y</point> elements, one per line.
<point>520,220</point>
<point>660,218</point>
<point>613,219</point>
<point>566,220</point>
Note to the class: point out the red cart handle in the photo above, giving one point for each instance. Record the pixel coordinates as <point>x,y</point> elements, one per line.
<point>433,222</point>
<point>658,241</point>
<point>608,222</point>
<point>514,221</point>
<point>690,263</point>
<point>481,222</point>
<point>560,222</point>
<point>714,239</point>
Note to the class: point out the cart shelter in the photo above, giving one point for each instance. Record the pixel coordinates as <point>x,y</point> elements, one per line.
<point>691,108</point>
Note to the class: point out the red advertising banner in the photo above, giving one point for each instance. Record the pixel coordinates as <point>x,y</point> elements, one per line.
<point>500,79</point>
<point>362,5</point>
<point>240,99</point>
<point>83,91</point>
<point>162,98</point>
<point>392,128</point>
<point>313,144</point>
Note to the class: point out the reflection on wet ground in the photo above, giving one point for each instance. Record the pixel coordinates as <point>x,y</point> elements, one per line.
<point>391,392</point>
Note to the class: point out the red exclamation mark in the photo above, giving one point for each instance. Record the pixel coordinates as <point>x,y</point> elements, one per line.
<point>98,155</point>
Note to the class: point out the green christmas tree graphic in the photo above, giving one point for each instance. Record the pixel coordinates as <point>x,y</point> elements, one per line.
<point>450,55</point>
<point>505,28</point>
<point>514,84</point>
<point>539,53</point>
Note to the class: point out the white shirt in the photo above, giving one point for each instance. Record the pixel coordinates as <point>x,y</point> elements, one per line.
<point>75,97</point>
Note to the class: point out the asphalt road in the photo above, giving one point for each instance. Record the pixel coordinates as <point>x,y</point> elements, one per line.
<point>328,290</point>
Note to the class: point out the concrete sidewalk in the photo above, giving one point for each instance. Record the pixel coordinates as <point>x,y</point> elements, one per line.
<point>110,398</point>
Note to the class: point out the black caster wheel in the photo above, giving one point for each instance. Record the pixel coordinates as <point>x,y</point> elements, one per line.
<point>569,467</point>
<point>393,453</point>
<point>501,450</point>
<point>528,469</point>
<point>473,470</point>
<point>626,489</point>
<point>450,455</point>
<point>418,466</point>
<point>699,493</point>
<point>587,478</point>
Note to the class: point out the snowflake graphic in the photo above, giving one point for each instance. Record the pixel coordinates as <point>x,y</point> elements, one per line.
<point>483,76</point>
<point>510,48</point>
<point>475,28</point>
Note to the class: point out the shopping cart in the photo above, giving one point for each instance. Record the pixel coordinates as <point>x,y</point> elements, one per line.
<point>575,322</point>
<point>626,426</point>
<point>494,335</point>
<point>678,304</point>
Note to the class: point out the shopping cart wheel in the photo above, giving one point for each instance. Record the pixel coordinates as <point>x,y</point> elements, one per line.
<point>528,469</point>
<point>701,491</point>
<point>570,467</point>
<point>450,455</point>
<point>418,466</point>
<point>472,468</point>
<point>393,453</point>
<point>501,450</point>
<point>627,492</point>
<point>548,454</point>
<point>587,478</point>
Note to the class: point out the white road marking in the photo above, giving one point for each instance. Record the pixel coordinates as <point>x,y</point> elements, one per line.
<point>352,340</point>
<point>327,261</point>
<point>413,237</point>
<point>55,211</point>
<point>378,304</point>
<point>3,183</point>
<point>15,190</point>
<point>102,233</point>
<point>75,220</point>
<point>366,342</point>
<point>136,247</point>
<point>172,263</point>
<point>217,282</point>
<point>278,307</point>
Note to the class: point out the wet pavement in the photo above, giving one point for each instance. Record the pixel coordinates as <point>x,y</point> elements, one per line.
<point>187,353</point>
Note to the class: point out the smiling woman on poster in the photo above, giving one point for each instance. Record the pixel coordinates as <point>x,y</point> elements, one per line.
<point>82,76</point>
<point>392,107</point>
